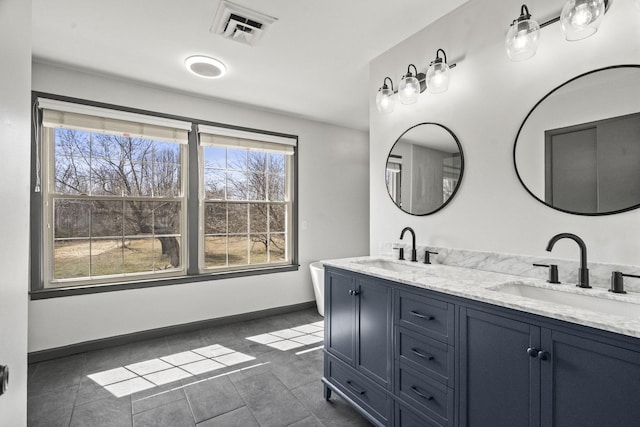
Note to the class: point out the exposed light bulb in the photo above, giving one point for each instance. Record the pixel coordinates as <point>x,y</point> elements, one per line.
<point>581,18</point>
<point>409,87</point>
<point>437,79</point>
<point>385,101</point>
<point>438,74</point>
<point>520,41</point>
<point>523,37</point>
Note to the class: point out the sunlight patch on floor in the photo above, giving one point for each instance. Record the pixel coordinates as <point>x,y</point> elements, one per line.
<point>296,337</point>
<point>129,379</point>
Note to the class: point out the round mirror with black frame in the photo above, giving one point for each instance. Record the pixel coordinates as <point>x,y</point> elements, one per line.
<point>578,149</point>
<point>424,169</point>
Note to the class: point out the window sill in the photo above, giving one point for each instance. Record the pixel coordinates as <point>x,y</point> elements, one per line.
<point>111,287</point>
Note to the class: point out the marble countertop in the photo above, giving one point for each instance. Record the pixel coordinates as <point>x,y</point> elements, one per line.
<point>485,286</point>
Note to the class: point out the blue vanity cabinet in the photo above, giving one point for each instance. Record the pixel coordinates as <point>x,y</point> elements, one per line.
<point>499,383</point>
<point>405,356</point>
<point>358,358</point>
<point>520,371</point>
<point>587,381</point>
<point>424,358</point>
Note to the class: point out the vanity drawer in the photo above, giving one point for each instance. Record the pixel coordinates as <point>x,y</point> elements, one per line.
<point>362,391</point>
<point>429,396</point>
<point>431,357</point>
<point>408,418</point>
<point>431,317</point>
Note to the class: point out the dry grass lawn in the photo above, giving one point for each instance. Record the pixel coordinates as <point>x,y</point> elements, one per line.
<point>77,259</point>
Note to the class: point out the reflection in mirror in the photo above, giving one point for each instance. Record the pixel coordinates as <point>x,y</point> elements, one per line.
<point>578,150</point>
<point>424,169</point>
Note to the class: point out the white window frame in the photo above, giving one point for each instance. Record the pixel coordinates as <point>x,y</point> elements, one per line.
<point>261,142</point>
<point>122,121</point>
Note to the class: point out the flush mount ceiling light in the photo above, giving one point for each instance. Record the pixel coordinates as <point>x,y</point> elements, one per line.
<point>385,101</point>
<point>438,73</point>
<point>581,18</point>
<point>523,36</point>
<point>409,87</point>
<point>206,67</point>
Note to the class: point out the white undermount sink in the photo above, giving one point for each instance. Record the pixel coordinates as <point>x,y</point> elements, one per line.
<point>389,265</point>
<point>577,300</point>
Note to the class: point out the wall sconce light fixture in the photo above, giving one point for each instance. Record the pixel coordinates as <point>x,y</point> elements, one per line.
<point>581,18</point>
<point>438,74</point>
<point>385,101</point>
<point>436,80</point>
<point>523,36</point>
<point>409,87</point>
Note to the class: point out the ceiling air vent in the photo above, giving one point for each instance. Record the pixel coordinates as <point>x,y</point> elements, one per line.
<point>239,23</point>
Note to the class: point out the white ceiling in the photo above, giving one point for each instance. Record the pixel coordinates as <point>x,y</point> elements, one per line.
<point>311,63</point>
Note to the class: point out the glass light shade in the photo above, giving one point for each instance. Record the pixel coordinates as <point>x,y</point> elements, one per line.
<point>385,101</point>
<point>581,18</point>
<point>438,77</point>
<point>522,40</point>
<point>409,89</point>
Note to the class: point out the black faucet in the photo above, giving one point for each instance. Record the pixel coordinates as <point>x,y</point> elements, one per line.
<point>414,253</point>
<point>583,272</point>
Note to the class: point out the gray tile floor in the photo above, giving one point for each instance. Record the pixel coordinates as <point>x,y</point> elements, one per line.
<point>276,388</point>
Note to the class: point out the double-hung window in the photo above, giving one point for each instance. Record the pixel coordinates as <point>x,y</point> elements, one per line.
<point>117,201</point>
<point>246,199</point>
<point>114,200</point>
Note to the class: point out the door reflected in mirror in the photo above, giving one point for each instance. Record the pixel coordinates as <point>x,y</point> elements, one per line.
<point>578,150</point>
<point>424,169</point>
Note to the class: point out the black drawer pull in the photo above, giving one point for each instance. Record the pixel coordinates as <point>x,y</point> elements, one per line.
<point>420,354</point>
<point>356,389</point>
<point>422,395</point>
<point>422,316</point>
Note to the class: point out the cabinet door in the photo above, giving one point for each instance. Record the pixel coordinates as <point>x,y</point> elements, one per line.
<point>374,330</point>
<point>499,382</point>
<point>588,383</point>
<point>340,305</point>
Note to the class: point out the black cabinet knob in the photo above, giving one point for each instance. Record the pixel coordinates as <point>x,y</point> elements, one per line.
<point>353,292</point>
<point>540,354</point>
<point>543,355</point>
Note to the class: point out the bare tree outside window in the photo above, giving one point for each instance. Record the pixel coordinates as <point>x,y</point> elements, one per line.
<point>116,204</point>
<point>245,211</point>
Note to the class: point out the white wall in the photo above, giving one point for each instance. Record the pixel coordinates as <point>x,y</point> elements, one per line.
<point>15,82</point>
<point>333,216</point>
<point>487,100</point>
